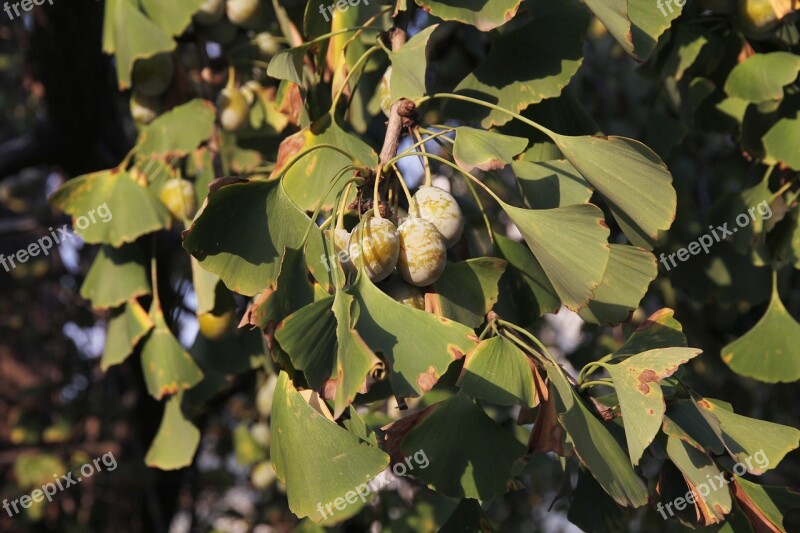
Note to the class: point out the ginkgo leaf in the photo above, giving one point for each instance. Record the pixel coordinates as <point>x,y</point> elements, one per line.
<point>176,441</point>
<point>479,13</point>
<point>556,31</point>
<point>640,398</point>
<point>410,67</point>
<point>130,35</point>
<point>746,437</point>
<point>110,207</point>
<point>306,181</point>
<point>779,142</point>
<point>179,131</point>
<point>570,244</point>
<point>172,17</point>
<point>486,150</point>
<point>701,472</point>
<point>125,329</point>
<point>418,347</point>
<point>629,273</point>
<point>469,455</point>
<point>287,64</point>
<point>318,460</point>
<point>685,420</point>
<point>243,231</point>
<point>767,507</point>
<point>116,276</point>
<point>632,179</point>
<point>529,282</point>
<point>167,368</point>
<point>468,290</point>
<point>769,352</point>
<point>596,448</point>
<point>762,77</point>
<point>660,330</point>
<point>498,371</point>
<point>551,184</point>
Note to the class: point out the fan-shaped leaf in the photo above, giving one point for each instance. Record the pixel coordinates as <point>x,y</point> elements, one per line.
<point>116,276</point>
<point>551,184</point>
<point>468,290</point>
<point>486,150</point>
<point>176,441</point>
<point>762,77</point>
<point>482,14</point>
<point>497,371</point>
<point>410,67</point>
<point>125,329</point>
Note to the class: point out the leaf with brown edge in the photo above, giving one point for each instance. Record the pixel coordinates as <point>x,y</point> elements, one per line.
<point>765,506</point>
<point>394,432</point>
<point>177,439</point>
<point>485,150</point>
<point>640,397</point>
<point>167,367</point>
<point>483,15</point>
<point>660,330</point>
<point>417,347</point>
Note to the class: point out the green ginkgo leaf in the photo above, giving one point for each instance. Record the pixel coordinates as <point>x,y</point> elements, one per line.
<point>479,13</point>
<point>640,398</point>
<point>528,278</point>
<point>318,460</point>
<point>172,17</point>
<point>468,290</point>
<point>632,179</point>
<point>551,184</point>
<point>485,150</point>
<point>307,181</point>
<point>176,441</point>
<point>556,31</point>
<point>747,438</point>
<point>243,231</point>
<point>762,77</point>
<point>770,351</point>
<point>116,276</point>
<point>498,371</point>
<point>110,207</point>
<point>596,448</point>
<point>701,472</point>
<point>685,420</point>
<point>629,273</point>
<point>660,330</point>
<point>288,64</point>
<point>178,131</point>
<point>167,367</point>
<point>130,35</point>
<point>410,67</point>
<point>780,142</point>
<point>125,329</point>
<point>418,347</point>
<point>570,244</point>
<point>469,455</point>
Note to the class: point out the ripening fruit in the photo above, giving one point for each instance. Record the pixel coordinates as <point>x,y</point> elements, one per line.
<point>179,197</point>
<point>439,206</point>
<point>153,75</point>
<point>210,11</point>
<point>243,12</point>
<point>404,293</point>
<point>250,91</point>
<point>756,17</point>
<point>423,254</point>
<point>380,245</point>
<point>265,394</point>
<point>233,109</point>
<point>144,109</point>
<point>267,44</point>
<point>215,327</point>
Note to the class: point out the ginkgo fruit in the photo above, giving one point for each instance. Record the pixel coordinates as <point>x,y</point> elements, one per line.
<point>439,207</point>
<point>179,197</point>
<point>374,246</point>
<point>423,254</point>
<point>144,109</point>
<point>210,11</point>
<point>404,293</point>
<point>756,17</point>
<point>267,44</point>
<point>216,327</point>
<point>243,12</point>
<point>233,109</point>
<point>153,75</point>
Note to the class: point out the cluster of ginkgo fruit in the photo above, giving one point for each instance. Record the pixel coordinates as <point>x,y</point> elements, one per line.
<point>416,245</point>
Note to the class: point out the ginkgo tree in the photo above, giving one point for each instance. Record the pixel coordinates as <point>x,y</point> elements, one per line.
<point>373,283</point>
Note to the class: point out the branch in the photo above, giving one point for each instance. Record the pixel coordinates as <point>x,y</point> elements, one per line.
<point>402,108</point>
